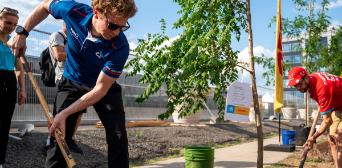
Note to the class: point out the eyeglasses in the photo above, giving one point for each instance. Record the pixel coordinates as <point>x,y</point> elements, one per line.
<point>9,10</point>
<point>113,26</point>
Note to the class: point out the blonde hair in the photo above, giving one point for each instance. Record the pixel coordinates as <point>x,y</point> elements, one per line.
<point>121,8</point>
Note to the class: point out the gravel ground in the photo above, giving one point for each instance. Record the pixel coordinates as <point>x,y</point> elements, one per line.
<point>145,143</point>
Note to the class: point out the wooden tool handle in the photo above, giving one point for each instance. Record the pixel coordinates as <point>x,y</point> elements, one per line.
<point>58,134</point>
<point>312,130</point>
<point>306,150</point>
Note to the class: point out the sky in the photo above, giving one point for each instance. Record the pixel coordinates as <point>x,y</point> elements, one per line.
<point>151,11</point>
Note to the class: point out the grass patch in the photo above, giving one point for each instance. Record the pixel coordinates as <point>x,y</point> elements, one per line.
<point>277,165</point>
<point>316,160</point>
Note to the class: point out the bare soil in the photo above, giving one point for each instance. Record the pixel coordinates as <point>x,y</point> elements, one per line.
<point>318,157</point>
<point>145,143</point>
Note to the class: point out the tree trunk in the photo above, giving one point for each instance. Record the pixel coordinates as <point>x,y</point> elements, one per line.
<point>254,89</point>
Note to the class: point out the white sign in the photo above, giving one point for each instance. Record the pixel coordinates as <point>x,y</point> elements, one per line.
<point>238,101</point>
<point>239,94</point>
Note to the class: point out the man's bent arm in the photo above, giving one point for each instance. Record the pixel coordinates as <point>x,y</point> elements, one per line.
<point>101,88</point>
<point>38,15</point>
<point>327,121</point>
<point>103,83</point>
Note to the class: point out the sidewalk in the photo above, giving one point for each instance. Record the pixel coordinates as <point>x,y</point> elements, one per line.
<point>241,155</point>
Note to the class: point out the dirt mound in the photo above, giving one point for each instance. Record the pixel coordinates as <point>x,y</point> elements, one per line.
<point>318,157</point>
<point>321,152</point>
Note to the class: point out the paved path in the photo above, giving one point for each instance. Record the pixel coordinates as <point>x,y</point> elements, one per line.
<point>237,156</point>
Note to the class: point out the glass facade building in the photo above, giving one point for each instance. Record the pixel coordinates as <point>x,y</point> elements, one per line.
<point>293,55</point>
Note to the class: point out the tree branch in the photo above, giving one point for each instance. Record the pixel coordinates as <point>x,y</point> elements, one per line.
<point>244,68</point>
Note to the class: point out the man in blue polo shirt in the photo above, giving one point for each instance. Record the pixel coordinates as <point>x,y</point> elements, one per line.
<point>96,53</point>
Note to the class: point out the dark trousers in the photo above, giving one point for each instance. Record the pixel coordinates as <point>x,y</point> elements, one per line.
<point>110,111</point>
<point>8,98</point>
<point>68,138</point>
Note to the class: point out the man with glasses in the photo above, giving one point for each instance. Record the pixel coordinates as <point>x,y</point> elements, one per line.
<point>326,90</point>
<point>96,54</point>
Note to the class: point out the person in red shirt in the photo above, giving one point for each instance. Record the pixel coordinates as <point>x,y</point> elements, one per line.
<point>326,90</point>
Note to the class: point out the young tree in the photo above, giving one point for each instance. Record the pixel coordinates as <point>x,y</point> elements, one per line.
<point>254,88</point>
<point>200,57</point>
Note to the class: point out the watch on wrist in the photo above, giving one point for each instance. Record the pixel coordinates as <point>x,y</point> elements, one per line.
<point>21,30</point>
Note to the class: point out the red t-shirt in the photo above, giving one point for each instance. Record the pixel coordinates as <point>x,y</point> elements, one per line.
<point>326,90</point>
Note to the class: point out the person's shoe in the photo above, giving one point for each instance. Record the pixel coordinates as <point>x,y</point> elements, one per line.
<point>74,147</point>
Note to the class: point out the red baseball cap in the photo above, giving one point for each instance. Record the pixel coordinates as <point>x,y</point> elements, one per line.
<point>295,75</point>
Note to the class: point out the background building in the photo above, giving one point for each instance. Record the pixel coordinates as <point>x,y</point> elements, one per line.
<point>293,55</point>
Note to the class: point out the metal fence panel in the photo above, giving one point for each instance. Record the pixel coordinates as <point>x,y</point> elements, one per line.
<point>150,109</point>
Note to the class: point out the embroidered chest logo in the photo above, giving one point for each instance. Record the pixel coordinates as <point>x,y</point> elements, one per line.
<point>74,33</point>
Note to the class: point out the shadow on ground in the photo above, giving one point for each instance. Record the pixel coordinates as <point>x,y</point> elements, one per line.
<point>236,129</point>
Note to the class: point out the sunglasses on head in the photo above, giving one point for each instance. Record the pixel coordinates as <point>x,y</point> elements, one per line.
<point>113,26</point>
<point>9,10</point>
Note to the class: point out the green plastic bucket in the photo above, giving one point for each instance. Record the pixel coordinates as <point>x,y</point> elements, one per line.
<point>199,157</point>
